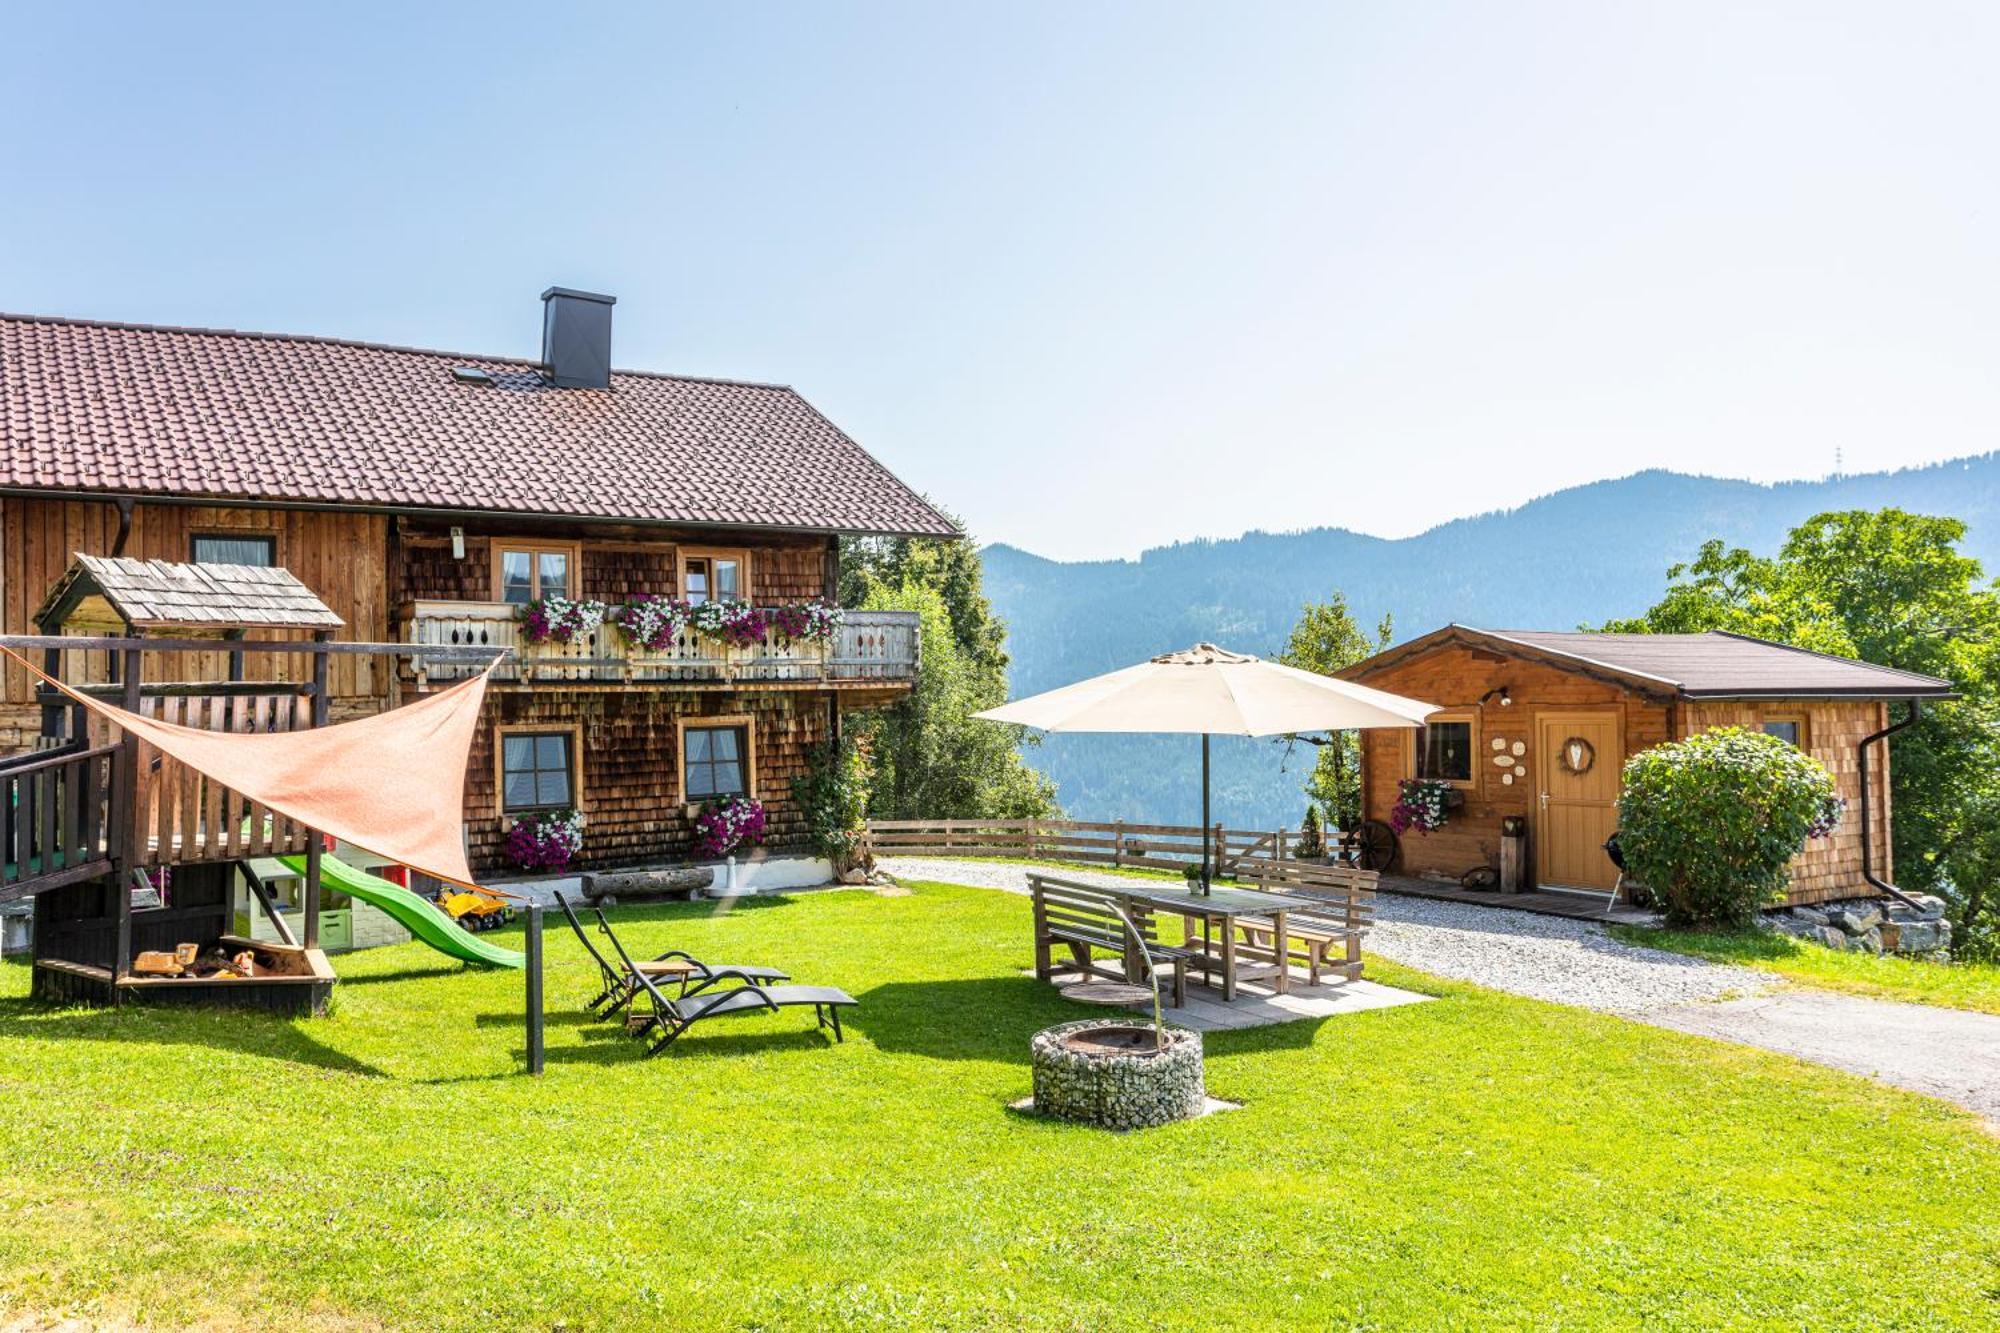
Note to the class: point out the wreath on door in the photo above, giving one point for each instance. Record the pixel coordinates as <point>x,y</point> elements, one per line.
<point>1577,756</point>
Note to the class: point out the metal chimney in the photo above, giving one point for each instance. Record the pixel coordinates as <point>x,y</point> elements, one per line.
<point>576,338</point>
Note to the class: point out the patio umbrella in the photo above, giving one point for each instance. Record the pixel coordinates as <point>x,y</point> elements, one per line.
<point>1213,692</point>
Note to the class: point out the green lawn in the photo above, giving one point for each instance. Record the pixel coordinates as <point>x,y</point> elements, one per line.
<point>1477,1161</point>
<point>1954,985</point>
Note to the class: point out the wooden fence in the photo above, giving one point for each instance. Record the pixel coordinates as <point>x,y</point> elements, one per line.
<point>1117,844</point>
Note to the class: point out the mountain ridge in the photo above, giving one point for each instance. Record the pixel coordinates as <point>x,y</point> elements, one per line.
<point>1575,556</point>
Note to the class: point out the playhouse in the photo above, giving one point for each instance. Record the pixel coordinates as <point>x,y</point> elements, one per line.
<point>139,863</point>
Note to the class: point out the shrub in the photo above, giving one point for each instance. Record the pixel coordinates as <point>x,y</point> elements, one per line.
<point>1312,840</point>
<point>1710,824</point>
<point>834,793</point>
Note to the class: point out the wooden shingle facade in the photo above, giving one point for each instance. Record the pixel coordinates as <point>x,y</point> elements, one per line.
<point>305,486</point>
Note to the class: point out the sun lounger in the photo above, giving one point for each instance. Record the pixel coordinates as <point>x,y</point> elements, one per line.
<point>619,989</point>
<point>671,1017</point>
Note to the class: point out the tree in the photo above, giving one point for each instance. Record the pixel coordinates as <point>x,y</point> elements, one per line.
<point>933,759</point>
<point>1326,640</point>
<point>1889,587</point>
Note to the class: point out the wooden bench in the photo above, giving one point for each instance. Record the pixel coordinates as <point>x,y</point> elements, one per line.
<point>1080,917</point>
<point>1324,935</point>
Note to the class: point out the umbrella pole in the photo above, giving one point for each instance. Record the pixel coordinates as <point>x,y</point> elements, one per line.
<point>1207,863</point>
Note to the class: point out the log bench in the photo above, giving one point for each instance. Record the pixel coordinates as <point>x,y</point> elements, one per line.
<point>1325,934</point>
<point>1081,919</point>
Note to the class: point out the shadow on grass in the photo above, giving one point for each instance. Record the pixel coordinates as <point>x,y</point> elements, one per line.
<point>246,1032</point>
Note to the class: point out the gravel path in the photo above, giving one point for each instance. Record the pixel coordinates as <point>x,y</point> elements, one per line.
<point>1942,1052</point>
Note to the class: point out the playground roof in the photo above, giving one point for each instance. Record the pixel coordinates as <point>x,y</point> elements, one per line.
<point>156,594</point>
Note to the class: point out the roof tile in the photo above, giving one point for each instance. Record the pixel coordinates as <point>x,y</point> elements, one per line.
<point>217,414</point>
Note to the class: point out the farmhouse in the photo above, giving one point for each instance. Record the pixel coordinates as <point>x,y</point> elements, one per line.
<point>1535,726</point>
<point>427,498</point>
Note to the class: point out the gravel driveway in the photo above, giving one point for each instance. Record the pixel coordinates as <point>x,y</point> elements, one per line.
<point>1945,1053</point>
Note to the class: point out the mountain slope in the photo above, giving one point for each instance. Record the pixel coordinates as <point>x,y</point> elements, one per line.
<point>1575,557</point>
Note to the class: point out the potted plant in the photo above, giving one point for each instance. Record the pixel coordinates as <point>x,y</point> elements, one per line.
<point>1421,805</point>
<point>559,620</point>
<point>545,840</point>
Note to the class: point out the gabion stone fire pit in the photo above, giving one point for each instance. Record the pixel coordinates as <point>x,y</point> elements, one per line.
<point>1113,1074</point>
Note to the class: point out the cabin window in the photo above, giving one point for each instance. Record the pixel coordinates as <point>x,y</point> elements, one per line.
<point>219,549</point>
<point>537,771</point>
<point>1791,730</point>
<point>715,576</point>
<point>1444,750</point>
<point>529,573</point>
<point>715,762</point>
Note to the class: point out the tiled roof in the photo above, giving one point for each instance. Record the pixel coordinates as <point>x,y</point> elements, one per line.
<point>88,406</point>
<point>1714,665</point>
<point>152,594</point>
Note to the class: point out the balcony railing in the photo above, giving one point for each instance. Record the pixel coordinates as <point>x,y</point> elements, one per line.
<point>868,646</point>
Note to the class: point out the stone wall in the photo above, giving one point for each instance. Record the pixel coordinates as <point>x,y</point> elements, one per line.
<point>1872,925</point>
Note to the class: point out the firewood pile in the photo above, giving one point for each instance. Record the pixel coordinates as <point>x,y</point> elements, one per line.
<point>197,964</point>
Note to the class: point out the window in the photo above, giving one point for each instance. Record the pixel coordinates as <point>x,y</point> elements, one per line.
<point>715,762</point>
<point>250,549</point>
<point>1790,730</point>
<point>537,771</point>
<point>721,576</point>
<point>524,573</point>
<point>1444,750</point>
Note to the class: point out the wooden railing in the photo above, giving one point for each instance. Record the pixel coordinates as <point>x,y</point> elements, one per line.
<point>1116,844</point>
<point>186,817</point>
<point>869,645</point>
<point>58,822</point>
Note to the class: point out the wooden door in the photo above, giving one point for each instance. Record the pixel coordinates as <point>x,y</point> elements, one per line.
<point>1578,758</point>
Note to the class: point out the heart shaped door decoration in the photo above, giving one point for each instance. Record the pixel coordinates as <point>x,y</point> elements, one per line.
<point>1578,755</point>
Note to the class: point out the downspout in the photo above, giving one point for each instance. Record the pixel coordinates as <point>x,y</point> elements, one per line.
<point>124,504</point>
<point>1867,813</point>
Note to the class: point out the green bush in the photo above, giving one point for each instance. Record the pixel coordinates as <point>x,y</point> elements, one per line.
<point>1710,824</point>
<point>1312,838</point>
<point>834,794</point>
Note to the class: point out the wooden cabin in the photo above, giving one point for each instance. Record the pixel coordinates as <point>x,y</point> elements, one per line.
<point>428,498</point>
<point>1537,726</point>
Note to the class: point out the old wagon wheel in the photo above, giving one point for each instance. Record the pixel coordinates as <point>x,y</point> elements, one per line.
<point>1375,845</point>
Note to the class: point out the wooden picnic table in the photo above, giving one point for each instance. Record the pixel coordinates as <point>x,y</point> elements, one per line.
<point>1225,909</point>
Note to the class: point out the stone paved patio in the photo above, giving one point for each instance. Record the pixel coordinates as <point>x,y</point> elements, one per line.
<point>1257,1006</point>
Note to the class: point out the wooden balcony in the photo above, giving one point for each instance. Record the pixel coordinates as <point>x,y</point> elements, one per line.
<point>871,648</point>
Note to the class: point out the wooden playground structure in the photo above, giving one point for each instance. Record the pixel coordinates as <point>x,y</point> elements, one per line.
<point>94,817</point>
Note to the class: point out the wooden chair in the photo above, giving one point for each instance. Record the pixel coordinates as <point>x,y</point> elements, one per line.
<point>1325,934</point>
<point>1079,918</point>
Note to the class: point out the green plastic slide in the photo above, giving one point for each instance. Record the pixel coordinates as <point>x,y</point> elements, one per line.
<point>421,917</point>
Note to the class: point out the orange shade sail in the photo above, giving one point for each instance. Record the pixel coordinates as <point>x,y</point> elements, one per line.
<point>392,784</point>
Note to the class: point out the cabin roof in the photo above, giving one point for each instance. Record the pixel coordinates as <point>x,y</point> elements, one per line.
<point>216,414</point>
<point>156,594</point>
<point>1712,665</point>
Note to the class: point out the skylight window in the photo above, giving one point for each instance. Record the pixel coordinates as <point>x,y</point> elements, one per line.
<point>471,375</point>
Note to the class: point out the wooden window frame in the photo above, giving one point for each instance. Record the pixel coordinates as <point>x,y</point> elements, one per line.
<point>198,535</point>
<point>497,555</point>
<point>1800,719</point>
<point>681,727</point>
<point>573,730</point>
<point>740,554</point>
<point>1469,716</point>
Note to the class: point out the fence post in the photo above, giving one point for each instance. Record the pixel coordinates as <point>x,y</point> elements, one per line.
<point>1118,845</point>
<point>1278,851</point>
<point>1221,849</point>
<point>534,982</point>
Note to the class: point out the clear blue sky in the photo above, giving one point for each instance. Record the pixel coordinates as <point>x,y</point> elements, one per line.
<point>1096,276</point>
